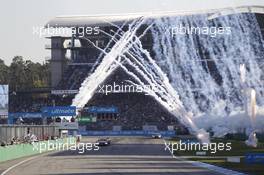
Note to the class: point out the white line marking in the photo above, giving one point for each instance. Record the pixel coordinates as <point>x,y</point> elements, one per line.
<point>14,166</point>
<point>207,166</point>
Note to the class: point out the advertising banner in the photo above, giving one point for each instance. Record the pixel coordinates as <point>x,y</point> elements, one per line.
<point>127,133</point>
<point>64,92</point>
<point>53,111</point>
<point>3,100</point>
<point>25,115</point>
<point>95,109</point>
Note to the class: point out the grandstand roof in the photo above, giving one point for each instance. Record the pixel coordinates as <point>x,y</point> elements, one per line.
<point>102,20</point>
<point>75,21</point>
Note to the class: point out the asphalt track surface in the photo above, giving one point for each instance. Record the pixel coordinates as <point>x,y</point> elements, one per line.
<point>125,156</point>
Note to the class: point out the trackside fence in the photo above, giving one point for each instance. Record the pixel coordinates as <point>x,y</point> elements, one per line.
<point>19,132</point>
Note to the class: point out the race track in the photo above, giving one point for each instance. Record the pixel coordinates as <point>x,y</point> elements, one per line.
<point>125,156</point>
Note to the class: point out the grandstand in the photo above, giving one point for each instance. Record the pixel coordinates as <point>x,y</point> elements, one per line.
<point>72,60</point>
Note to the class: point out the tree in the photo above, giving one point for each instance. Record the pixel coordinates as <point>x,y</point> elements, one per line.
<point>4,71</point>
<point>17,74</point>
<point>21,75</point>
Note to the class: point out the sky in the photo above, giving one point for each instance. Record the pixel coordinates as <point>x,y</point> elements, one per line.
<point>18,17</point>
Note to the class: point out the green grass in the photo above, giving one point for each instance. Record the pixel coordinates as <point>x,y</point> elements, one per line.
<point>239,148</point>
<point>256,169</point>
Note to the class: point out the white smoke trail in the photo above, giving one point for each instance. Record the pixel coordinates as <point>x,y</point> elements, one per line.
<point>191,85</point>
<point>205,70</point>
<point>106,67</point>
<point>129,51</point>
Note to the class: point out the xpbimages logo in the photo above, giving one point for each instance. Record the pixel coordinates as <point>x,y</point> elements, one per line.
<point>190,30</point>
<point>80,31</point>
<point>196,146</point>
<point>124,87</point>
<point>69,144</point>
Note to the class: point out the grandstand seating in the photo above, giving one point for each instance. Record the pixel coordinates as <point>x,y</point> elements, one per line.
<point>135,109</point>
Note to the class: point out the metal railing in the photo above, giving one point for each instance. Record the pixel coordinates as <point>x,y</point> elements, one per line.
<point>9,133</point>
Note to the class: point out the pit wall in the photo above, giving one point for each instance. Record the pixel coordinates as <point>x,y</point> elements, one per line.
<point>127,133</point>
<point>22,150</point>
